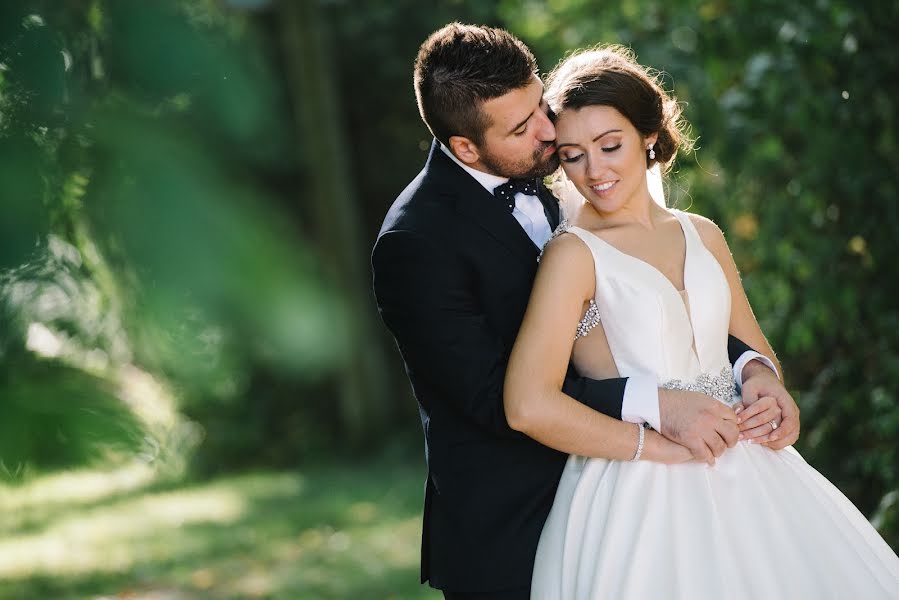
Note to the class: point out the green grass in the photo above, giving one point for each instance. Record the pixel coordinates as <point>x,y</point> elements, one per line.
<point>335,531</point>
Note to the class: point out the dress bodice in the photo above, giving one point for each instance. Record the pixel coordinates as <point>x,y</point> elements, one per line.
<point>650,328</point>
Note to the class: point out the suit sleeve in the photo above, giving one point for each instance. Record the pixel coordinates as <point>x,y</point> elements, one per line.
<point>604,395</point>
<point>736,348</point>
<point>426,300</point>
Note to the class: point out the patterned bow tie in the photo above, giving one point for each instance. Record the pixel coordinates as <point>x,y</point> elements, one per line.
<point>506,192</point>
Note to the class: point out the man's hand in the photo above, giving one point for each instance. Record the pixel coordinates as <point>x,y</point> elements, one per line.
<point>702,424</point>
<point>759,382</point>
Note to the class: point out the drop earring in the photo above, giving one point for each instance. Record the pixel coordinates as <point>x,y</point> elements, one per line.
<point>652,153</point>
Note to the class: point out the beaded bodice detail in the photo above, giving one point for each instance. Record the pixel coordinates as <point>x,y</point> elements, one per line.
<point>721,387</point>
<point>589,321</point>
<point>649,327</point>
<point>559,230</point>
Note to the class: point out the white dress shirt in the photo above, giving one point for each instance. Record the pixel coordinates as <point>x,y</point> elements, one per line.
<point>641,394</point>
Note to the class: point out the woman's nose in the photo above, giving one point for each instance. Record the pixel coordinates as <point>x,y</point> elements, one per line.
<point>594,166</point>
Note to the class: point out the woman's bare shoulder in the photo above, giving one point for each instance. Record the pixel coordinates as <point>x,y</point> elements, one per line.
<point>709,232</point>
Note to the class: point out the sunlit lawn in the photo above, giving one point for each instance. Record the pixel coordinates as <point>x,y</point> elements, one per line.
<point>339,531</point>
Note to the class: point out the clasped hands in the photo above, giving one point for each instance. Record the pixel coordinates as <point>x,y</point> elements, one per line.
<point>700,428</point>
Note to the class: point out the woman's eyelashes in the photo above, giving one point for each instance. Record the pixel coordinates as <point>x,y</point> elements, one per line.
<point>573,158</point>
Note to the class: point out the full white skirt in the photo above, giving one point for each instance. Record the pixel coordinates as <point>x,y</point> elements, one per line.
<point>759,524</point>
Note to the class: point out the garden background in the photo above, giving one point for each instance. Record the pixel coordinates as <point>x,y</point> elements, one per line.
<point>197,397</point>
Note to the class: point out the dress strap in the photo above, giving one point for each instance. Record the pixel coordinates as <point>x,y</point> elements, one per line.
<point>690,233</point>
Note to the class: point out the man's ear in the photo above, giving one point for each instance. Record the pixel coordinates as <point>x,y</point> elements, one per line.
<point>464,149</point>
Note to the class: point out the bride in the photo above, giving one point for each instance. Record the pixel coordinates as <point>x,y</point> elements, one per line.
<point>659,293</point>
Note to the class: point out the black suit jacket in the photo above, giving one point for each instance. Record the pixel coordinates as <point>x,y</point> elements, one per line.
<point>453,271</point>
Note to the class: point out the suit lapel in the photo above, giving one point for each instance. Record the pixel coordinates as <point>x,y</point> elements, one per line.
<point>480,206</point>
<point>496,220</point>
<point>550,206</point>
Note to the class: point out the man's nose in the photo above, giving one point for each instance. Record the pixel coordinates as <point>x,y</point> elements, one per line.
<point>547,131</point>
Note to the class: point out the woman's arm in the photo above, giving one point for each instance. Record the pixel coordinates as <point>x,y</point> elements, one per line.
<point>754,423</point>
<point>534,402</point>
<point>743,324</point>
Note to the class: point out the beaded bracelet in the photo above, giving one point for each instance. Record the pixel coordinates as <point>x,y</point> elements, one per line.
<point>639,443</point>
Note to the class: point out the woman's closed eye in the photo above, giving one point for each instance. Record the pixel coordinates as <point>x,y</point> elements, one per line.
<point>573,158</point>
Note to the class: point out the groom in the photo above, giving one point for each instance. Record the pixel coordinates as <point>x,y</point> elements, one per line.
<point>453,267</point>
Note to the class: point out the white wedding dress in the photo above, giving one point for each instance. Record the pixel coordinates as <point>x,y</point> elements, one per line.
<point>760,524</point>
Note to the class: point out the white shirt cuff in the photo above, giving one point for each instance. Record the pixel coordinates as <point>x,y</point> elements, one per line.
<point>641,401</point>
<point>741,362</point>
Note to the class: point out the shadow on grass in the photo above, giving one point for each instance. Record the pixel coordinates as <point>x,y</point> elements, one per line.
<point>337,531</point>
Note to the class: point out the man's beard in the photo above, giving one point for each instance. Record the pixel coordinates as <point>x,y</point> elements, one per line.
<point>537,166</point>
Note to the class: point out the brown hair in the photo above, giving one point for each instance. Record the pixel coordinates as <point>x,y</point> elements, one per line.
<point>610,76</point>
<point>459,67</point>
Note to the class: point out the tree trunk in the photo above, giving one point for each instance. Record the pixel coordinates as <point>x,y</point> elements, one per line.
<point>362,383</point>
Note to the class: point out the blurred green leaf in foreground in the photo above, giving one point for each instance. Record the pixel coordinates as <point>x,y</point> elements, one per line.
<point>143,265</point>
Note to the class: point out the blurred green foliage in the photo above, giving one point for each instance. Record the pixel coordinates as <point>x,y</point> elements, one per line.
<point>141,241</point>
<point>160,283</point>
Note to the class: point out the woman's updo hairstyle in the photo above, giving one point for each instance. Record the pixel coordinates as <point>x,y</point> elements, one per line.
<point>610,76</point>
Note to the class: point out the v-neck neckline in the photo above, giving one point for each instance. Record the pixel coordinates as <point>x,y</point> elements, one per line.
<point>650,266</point>
<point>678,295</point>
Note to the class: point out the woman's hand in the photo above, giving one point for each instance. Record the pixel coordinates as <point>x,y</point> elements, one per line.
<point>763,382</point>
<point>658,448</point>
<point>757,422</point>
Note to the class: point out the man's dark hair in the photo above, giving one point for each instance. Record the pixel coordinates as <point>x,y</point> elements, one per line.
<point>458,68</point>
